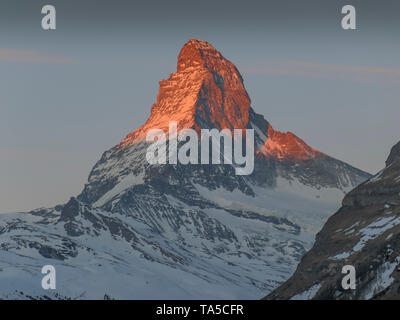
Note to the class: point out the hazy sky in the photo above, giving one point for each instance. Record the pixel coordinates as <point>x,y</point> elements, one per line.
<point>68,95</point>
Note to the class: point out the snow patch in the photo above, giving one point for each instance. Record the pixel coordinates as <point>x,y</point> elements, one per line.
<point>382,281</point>
<point>377,177</point>
<point>375,229</point>
<point>127,182</point>
<point>308,294</point>
<point>340,256</point>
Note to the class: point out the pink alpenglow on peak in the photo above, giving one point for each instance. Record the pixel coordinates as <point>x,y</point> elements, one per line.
<point>287,146</point>
<point>206,91</point>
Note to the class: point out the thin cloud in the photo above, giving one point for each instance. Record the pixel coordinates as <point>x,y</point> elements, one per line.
<point>30,56</point>
<point>328,71</point>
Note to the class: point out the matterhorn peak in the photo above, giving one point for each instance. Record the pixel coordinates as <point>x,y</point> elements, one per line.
<point>201,54</point>
<point>207,91</point>
<point>197,53</point>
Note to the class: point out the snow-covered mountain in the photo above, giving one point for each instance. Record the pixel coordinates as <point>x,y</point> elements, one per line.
<point>181,231</point>
<point>364,233</point>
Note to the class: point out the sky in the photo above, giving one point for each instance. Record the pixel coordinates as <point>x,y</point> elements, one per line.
<point>69,94</point>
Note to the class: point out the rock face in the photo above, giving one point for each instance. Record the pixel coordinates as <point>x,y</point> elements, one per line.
<point>287,146</point>
<point>181,231</point>
<point>394,155</point>
<point>207,91</point>
<point>364,233</point>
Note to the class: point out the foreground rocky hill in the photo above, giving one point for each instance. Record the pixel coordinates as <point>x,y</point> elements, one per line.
<point>364,233</point>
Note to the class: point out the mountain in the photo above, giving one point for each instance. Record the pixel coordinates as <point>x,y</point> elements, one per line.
<point>364,233</point>
<point>141,230</point>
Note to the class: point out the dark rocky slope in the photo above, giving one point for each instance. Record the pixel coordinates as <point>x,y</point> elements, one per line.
<point>364,233</point>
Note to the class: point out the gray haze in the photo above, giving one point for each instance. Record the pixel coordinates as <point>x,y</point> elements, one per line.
<point>68,95</point>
